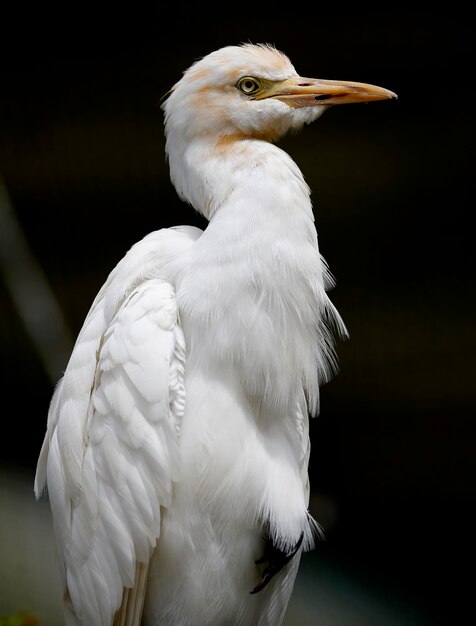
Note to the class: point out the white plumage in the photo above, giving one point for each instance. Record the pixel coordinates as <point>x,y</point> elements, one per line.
<point>177,445</point>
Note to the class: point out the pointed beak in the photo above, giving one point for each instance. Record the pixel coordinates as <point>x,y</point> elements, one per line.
<point>305,92</point>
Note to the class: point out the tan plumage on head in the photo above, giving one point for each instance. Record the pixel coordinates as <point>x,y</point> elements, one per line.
<point>177,447</point>
<point>246,92</point>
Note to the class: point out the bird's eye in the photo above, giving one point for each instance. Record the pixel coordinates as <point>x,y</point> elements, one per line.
<point>248,85</point>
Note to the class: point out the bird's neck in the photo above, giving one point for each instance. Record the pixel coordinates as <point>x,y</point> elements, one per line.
<point>213,174</point>
<point>258,205</point>
<point>255,277</point>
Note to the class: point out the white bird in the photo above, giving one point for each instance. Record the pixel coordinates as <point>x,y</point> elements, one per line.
<point>177,447</point>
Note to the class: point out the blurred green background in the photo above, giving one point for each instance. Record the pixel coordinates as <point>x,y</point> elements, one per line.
<point>84,177</point>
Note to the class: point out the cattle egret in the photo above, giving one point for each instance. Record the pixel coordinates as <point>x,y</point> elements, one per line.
<point>177,446</point>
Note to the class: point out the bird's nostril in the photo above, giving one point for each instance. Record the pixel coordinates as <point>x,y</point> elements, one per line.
<point>322,97</point>
<point>304,84</point>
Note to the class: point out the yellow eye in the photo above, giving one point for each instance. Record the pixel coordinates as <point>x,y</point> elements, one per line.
<point>248,85</point>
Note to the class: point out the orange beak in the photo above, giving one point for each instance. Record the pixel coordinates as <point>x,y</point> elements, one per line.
<point>304,92</point>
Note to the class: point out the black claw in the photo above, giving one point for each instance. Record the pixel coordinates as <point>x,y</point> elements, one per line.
<point>276,560</point>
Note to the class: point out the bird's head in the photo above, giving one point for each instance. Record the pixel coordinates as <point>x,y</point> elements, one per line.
<point>253,91</point>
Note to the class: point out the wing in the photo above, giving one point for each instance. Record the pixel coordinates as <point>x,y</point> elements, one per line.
<point>110,456</point>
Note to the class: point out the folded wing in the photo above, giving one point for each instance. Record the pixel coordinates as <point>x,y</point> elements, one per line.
<point>110,456</point>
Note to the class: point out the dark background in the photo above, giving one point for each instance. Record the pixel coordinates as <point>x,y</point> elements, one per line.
<point>82,158</point>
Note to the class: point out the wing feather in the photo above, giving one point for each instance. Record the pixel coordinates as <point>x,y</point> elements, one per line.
<point>109,477</point>
<point>128,459</point>
<point>110,455</point>
<point>130,611</point>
